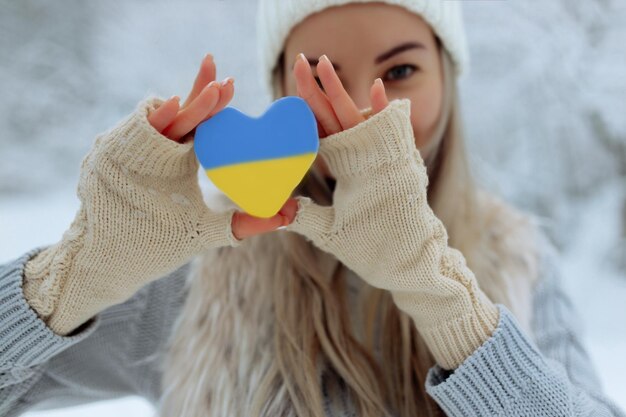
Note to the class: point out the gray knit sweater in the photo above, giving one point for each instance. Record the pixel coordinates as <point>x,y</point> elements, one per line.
<point>116,354</point>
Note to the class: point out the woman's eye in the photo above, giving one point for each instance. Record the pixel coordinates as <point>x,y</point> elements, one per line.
<point>400,72</point>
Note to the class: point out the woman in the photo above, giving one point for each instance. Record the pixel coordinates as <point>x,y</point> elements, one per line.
<point>361,306</point>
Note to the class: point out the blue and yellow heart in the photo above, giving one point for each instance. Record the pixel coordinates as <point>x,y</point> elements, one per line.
<point>258,162</point>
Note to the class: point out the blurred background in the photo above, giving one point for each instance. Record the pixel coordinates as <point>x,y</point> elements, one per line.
<point>544,107</point>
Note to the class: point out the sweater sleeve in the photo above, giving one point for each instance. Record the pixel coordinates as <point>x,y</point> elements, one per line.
<point>512,375</point>
<point>110,356</point>
<point>142,215</point>
<point>381,226</point>
<point>24,339</point>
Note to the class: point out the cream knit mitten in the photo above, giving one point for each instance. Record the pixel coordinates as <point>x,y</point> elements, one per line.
<point>141,216</point>
<point>381,226</point>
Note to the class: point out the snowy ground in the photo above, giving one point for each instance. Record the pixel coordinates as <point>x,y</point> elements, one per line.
<point>544,107</point>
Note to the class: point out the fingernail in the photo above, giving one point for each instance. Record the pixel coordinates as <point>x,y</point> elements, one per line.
<point>174,97</point>
<point>213,84</point>
<point>208,56</point>
<point>379,81</point>
<point>300,57</point>
<point>323,58</point>
<point>227,80</point>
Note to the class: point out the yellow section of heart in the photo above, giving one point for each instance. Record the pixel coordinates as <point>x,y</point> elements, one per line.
<point>260,188</point>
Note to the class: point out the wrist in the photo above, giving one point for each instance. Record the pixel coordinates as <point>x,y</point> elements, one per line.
<point>453,341</point>
<point>38,284</point>
<point>451,312</point>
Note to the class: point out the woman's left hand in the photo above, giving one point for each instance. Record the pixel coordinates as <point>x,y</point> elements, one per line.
<point>333,108</point>
<point>380,224</point>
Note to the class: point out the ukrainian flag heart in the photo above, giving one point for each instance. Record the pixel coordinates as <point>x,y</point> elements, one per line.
<point>258,162</point>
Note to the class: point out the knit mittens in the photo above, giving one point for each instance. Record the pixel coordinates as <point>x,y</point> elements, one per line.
<point>141,216</point>
<point>381,226</point>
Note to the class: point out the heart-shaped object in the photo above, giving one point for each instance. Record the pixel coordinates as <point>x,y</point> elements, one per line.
<point>258,162</point>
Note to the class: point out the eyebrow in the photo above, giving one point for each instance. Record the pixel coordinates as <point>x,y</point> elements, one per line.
<point>398,49</point>
<point>382,57</point>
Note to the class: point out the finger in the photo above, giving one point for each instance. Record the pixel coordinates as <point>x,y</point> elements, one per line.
<point>378,96</point>
<point>310,91</point>
<point>245,225</point>
<point>205,75</point>
<point>227,91</point>
<point>321,132</point>
<point>165,114</point>
<point>347,112</point>
<point>188,118</point>
<point>289,210</point>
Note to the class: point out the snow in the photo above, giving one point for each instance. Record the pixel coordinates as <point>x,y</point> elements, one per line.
<point>129,406</point>
<point>598,288</point>
<point>544,107</point>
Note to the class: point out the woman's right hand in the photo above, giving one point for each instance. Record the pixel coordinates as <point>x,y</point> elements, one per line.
<point>142,213</point>
<point>207,97</point>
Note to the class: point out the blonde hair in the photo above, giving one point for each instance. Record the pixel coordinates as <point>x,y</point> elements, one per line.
<point>261,322</point>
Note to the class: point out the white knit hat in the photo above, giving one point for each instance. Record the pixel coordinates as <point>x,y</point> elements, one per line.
<point>276,18</point>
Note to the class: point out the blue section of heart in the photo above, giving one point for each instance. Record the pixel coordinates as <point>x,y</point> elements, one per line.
<point>287,128</point>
